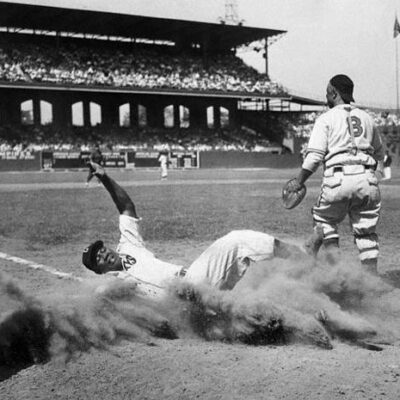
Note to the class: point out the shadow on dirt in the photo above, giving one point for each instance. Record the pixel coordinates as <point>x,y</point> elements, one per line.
<point>24,341</point>
<point>8,372</point>
<point>392,277</point>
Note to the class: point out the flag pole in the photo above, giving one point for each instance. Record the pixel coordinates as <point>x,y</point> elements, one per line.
<point>396,32</point>
<point>397,78</point>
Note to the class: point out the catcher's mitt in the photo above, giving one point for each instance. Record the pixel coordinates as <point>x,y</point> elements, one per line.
<point>292,193</point>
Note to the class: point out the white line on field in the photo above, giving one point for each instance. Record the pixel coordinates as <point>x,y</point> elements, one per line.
<point>34,265</point>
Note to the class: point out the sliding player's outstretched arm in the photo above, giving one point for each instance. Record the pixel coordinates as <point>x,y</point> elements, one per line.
<point>121,199</point>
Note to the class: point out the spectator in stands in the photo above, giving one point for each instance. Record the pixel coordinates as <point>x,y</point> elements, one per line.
<point>138,67</point>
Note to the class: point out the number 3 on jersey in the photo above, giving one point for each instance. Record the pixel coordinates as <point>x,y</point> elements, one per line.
<point>357,128</point>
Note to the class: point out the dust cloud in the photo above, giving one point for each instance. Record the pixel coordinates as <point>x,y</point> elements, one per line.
<point>276,303</point>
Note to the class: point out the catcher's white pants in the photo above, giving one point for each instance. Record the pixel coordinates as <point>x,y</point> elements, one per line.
<point>354,192</point>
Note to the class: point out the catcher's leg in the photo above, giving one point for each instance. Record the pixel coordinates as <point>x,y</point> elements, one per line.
<point>314,242</point>
<point>329,211</point>
<point>364,216</point>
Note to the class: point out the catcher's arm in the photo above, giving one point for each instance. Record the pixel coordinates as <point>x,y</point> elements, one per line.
<point>304,174</point>
<point>121,199</point>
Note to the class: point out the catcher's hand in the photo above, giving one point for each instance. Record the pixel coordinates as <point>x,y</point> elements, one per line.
<point>293,193</point>
<point>96,169</point>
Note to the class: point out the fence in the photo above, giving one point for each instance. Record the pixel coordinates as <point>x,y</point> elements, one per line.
<point>59,160</point>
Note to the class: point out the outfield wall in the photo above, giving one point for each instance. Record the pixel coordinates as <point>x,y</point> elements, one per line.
<point>13,161</point>
<point>240,159</point>
<point>57,160</point>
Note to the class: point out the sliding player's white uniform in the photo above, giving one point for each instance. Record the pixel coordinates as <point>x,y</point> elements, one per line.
<point>221,265</point>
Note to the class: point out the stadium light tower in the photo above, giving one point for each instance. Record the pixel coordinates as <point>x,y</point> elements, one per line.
<point>231,14</point>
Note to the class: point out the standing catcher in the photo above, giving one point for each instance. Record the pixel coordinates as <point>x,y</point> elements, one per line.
<point>222,265</point>
<point>345,141</point>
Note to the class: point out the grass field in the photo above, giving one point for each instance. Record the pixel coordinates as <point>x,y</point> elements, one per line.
<point>50,217</point>
<point>45,212</point>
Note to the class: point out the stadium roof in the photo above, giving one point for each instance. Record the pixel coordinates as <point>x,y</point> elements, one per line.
<point>305,101</point>
<point>55,16</point>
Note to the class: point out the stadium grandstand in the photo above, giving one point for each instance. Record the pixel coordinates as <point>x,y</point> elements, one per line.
<point>74,76</point>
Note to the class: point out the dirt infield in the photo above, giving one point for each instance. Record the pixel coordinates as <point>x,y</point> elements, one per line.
<point>48,218</point>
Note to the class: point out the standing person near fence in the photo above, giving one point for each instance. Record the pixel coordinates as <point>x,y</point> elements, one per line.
<point>97,157</point>
<point>387,169</point>
<point>346,142</point>
<point>163,160</point>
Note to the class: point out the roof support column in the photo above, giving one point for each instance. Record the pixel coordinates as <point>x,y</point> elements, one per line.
<point>205,48</point>
<point>177,115</point>
<point>110,112</point>
<point>62,112</point>
<point>217,116</point>
<point>198,115</point>
<point>266,57</point>
<point>36,109</point>
<point>10,107</point>
<point>133,113</point>
<point>86,112</point>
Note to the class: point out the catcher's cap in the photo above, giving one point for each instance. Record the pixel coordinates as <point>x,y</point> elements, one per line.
<point>345,86</point>
<point>89,255</point>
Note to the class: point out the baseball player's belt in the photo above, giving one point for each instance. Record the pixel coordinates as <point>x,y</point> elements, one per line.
<point>348,169</point>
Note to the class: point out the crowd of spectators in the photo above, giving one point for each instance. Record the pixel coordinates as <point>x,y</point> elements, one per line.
<point>151,67</point>
<point>385,121</point>
<point>27,140</point>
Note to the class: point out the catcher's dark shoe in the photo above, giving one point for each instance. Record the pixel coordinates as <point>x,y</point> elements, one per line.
<point>314,242</point>
<point>332,255</point>
<point>392,277</point>
<point>371,266</point>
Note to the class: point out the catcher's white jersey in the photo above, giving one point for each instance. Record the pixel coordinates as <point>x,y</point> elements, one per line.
<point>331,143</point>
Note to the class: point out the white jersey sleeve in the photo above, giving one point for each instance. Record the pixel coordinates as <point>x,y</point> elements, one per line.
<point>129,229</point>
<point>318,144</point>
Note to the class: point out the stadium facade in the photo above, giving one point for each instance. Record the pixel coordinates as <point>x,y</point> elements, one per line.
<point>58,59</point>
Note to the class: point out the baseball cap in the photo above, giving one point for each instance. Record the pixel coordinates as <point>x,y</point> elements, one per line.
<point>89,256</point>
<point>344,85</point>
